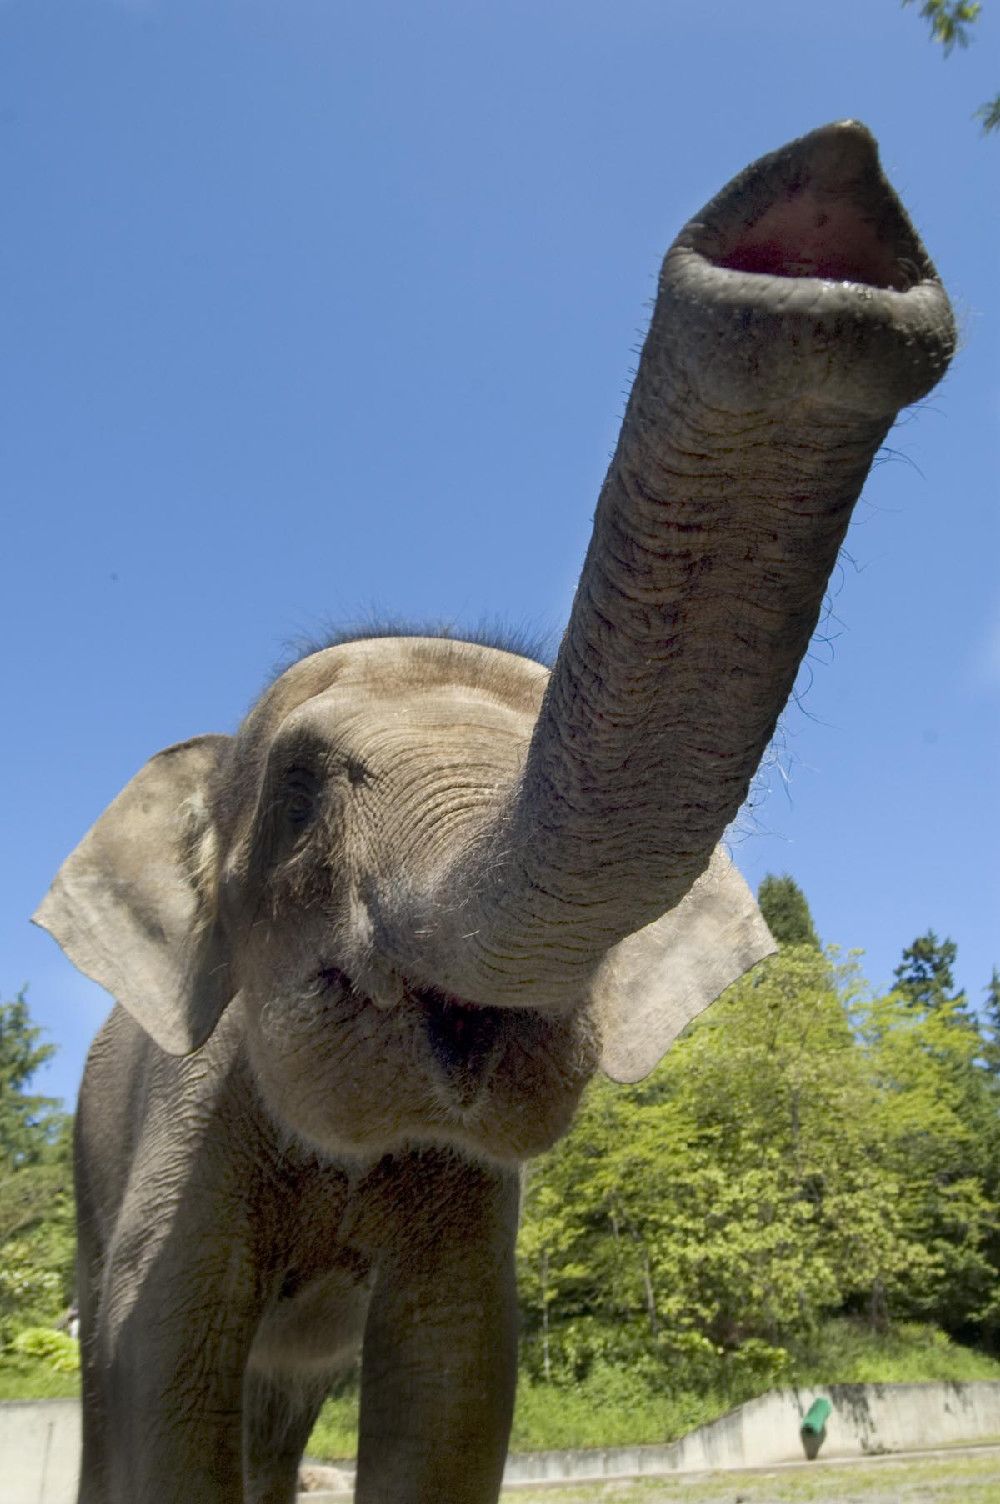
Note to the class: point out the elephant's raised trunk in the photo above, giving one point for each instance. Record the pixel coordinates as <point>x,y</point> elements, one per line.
<point>796,315</point>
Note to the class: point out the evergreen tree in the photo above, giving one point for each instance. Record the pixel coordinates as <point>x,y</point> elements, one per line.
<point>25,1126</point>
<point>786,912</point>
<point>924,977</point>
<point>991,1026</point>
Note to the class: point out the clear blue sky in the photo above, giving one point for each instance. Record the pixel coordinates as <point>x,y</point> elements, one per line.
<point>311,307</point>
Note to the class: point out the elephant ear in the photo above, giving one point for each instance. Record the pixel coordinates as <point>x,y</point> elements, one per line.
<point>134,905</point>
<point>651,985</point>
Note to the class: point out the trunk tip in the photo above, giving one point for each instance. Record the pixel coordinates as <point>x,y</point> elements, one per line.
<point>820,207</point>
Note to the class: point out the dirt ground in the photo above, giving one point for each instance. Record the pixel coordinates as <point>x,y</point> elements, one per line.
<point>959,1478</point>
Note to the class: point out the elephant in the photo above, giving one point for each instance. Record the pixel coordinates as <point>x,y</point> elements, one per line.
<point>367,951</point>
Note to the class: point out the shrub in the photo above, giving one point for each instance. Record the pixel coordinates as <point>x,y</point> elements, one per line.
<point>55,1350</point>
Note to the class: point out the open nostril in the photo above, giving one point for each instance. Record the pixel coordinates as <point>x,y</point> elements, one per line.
<point>804,234</point>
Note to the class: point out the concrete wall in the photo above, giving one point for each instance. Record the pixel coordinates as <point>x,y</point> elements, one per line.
<point>40,1440</point>
<point>39,1451</point>
<point>866,1418</point>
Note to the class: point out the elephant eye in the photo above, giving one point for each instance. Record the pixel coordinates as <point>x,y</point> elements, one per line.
<point>299,797</point>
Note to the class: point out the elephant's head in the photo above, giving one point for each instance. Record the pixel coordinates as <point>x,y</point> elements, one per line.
<point>285,865</point>
<point>442,882</point>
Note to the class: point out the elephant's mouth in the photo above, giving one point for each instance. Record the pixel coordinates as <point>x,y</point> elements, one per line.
<point>466,1040</point>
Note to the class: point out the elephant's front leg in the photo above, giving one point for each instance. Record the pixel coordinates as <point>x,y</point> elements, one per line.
<point>174,1384</point>
<point>180,1305</point>
<point>440,1348</point>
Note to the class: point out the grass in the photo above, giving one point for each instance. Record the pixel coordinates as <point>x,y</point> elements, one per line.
<point>607,1409</point>
<point>848,1353</point>
<point>335,1434</point>
<point>31,1380</point>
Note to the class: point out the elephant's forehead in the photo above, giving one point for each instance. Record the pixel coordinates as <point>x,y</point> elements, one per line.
<point>425,662</point>
<point>406,669</point>
<point>367,719</point>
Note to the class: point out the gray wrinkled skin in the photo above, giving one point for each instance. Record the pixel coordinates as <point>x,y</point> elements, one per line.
<point>368,951</point>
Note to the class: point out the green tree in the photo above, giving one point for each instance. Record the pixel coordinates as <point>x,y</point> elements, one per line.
<point>786,912</point>
<point>778,1071</point>
<point>949,22</point>
<point>706,1218</point>
<point>936,1137</point>
<point>805,1149</point>
<point>989,1136</point>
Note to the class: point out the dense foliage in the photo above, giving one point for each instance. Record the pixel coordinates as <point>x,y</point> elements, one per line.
<point>807,1149</point>
<point>36,1198</point>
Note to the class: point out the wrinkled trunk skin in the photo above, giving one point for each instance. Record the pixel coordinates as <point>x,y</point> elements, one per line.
<point>796,314</point>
